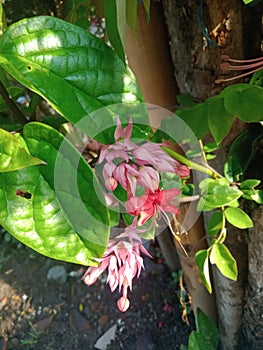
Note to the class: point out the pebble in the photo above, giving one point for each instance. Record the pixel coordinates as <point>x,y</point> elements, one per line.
<point>57,274</point>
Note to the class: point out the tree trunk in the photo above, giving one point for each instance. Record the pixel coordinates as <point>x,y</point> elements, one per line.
<point>195,27</point>
<point>253,323</point>
<point>149,57</point>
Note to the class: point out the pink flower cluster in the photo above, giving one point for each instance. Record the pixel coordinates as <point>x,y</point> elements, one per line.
<point>123,261</point>
<point>133,166</point>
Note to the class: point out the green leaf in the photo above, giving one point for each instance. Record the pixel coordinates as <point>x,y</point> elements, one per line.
<point>196,118</point>
<point>76,72</point>
<point>131,14</point>
<point>147,6</point>
<point>198,341</point>
<point>13,154</point>
<point>241,152</point>
<point>249,191</point>
<point>39,222</point>
<point>223,259</point>
<point>207,328</point>
<point>77,189</point>
<point>216,194</point>
<point>238,218</point>
<point>246,104</point>
<point>215,223</point>
<point>219,120</point>
<point>202,262</point>
<point>115,19</point>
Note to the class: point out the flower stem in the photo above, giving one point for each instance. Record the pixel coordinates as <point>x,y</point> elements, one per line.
<point>192,165</point>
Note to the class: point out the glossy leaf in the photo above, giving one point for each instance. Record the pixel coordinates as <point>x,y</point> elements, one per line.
<point>215,223</point>
<point>223,259</point>
<point>207,328</point>
<point>13,154</point>
<point>115,19</point>
<point>216,194</point>
<point>249,191</point>
<point>202,261</point>
<point>39,222</point>
<point>77,189</point>
<point>76,72</point>
<point>219,120</point>
<point>198,341</point>
<point>238,218</point>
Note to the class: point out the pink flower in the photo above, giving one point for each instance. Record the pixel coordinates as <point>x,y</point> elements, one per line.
<point>126,175</point>
<point>122,134</point>
<point>251,66</point>
<point>152,154</point>
<point>123,261</point>
<point>147,206</point>
<point>107,172</point>
<point>149,178</point>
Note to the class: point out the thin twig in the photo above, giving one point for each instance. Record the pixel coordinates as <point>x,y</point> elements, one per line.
<point>18,114</point>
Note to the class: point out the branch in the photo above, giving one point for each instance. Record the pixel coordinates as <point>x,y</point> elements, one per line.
<point>18,114</point>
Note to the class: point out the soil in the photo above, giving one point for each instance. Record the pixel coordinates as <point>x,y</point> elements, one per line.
<point>40,314</point>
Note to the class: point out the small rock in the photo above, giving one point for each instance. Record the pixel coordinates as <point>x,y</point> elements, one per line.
<point>106,339</point>
<point>78,322</point>
<point>43,324</point>
<point>57,274</point>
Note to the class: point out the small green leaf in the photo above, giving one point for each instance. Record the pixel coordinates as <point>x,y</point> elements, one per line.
<point>207,328</point>
<point>202,262</point>
<point>238,218</point>
<point>13,154</point>
<point>249,191</point>
<point>198,341</point>
<point>219,120</point>
<point>115,19</point>
<point>217,194</point>
<point>215,223</point>
<point>147,5</point>
<point>131,14</point>
<point>223,259</point>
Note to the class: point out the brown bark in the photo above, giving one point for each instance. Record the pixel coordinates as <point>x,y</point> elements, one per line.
<point>196,63</point>
<point>149,57</point>
<point>231,25</point>
<point>193,241</point>
<point>253,322</point>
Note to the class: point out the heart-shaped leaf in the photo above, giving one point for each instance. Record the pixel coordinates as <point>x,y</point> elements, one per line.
<point>76,72</point>
<point>74,182</point>
<point>226,264</point>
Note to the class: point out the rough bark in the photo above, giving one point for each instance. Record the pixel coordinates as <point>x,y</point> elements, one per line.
<point>197,65</point>
<point>252,329</point>
<point>193,241</point>
<point>149,57</point>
